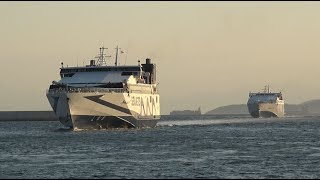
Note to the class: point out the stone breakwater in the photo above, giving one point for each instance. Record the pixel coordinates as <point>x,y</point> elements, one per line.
<point>27,116</point>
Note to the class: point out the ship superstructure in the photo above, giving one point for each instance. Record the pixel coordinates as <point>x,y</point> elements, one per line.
<point>100,96</point>
<point>266,104</point>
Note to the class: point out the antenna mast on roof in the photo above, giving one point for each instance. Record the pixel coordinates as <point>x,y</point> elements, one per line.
<point>116,61</point>
<point>102,57</point>
<point>266,89</point>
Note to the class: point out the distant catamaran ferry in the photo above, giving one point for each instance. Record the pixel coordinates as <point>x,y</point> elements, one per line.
<point>99,96</point>
<point>266,104</point>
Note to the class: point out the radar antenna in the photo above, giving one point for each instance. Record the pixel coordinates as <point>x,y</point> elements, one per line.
<point>102,57</point>
<point>266,89</point>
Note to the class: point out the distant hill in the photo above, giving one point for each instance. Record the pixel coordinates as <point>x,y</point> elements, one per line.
<point>230,109</point>
<point>311,107</point>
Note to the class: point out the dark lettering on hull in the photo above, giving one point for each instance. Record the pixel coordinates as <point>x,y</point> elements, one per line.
<point>108,104</point>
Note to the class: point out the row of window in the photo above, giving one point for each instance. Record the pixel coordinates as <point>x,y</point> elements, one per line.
<point>67,75</point>
<point>127,73</point>
<point>96,69</point>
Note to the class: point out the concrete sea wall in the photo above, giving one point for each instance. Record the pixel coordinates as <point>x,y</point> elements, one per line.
<point>27,116</point>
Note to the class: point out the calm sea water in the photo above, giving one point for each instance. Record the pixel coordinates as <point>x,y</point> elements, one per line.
<point>201,147</point>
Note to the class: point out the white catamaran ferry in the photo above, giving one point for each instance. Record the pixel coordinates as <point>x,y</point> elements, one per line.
<point>99,96</point>
<point>266,104</point>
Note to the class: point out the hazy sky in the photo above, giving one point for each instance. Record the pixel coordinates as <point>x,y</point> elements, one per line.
<point>208,54</point>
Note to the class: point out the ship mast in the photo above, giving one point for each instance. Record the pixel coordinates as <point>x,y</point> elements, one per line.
<point>116,61</point>
<point>266,89</point>
<point>102,57</point>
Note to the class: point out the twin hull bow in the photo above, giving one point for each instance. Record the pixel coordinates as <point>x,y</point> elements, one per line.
<point>266,110</point>
<point>110,109</point>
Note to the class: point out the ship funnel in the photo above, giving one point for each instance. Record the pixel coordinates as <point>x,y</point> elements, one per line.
<point>148,61</point>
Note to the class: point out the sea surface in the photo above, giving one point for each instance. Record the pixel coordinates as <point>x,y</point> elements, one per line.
<point>179,147</point>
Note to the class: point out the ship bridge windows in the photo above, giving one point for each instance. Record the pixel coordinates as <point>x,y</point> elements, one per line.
<point>62,75</point>
<point>97,69</point>
<point>128,73</point>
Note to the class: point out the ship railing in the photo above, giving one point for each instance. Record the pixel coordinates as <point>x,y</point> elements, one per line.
<point>86,90</point>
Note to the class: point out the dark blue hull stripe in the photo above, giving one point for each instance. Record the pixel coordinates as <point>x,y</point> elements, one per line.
<point>108,104</point>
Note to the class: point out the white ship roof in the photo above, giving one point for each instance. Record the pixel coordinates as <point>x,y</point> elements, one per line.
<point>263,97</point>
<point>101,75</point>
<point>95,78</point>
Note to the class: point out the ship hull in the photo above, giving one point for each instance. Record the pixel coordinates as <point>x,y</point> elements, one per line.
<point>266,110</point>
<point>104,110</point>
